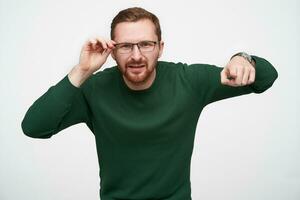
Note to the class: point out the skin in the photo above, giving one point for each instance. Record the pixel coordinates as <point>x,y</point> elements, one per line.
<point>133,32</point>
<point>94,53</point>
<point>241,71</point>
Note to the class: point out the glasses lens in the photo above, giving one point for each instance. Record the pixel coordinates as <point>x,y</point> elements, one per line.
<point>146,46</point>
<point>125,48</point>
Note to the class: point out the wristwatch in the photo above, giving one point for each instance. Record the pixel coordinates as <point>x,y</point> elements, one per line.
<point>246,56</point>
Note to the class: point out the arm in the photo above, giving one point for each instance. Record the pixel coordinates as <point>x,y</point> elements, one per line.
<point>207,85</point>
<point>61,106</point>
<point>65,104</point>
<point>265,75</point>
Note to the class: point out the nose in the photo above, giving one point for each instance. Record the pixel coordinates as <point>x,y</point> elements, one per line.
<point>136,53</point>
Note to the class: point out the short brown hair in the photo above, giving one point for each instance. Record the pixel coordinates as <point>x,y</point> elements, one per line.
<point>135,14</point>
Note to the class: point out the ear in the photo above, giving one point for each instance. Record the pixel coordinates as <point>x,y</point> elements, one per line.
<point>161,48</point>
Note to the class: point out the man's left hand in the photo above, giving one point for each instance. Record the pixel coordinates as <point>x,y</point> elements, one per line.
<point>238,72</point>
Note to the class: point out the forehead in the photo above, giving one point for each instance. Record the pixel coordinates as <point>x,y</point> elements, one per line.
<point>135,31</point>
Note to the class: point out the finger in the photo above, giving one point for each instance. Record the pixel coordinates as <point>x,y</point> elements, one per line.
<point>224,78</point>
<point>251,76</point>
<point>232,72</point>
<point>245,77</point>
<point>230,79</point>
<point>239,77</point>
<point>102,42</point>
<point>106,52</point>
<point>93,43</point>
<point>111,44</point>
<point>89,44</point>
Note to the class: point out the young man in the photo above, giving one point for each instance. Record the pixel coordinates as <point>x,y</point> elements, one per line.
<point>142,112</point>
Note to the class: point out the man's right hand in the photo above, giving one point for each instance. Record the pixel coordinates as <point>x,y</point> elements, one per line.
<point>93,55</point>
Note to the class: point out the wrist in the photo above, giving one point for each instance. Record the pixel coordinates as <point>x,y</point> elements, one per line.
<point>77,76</point>
<point>246,57</point>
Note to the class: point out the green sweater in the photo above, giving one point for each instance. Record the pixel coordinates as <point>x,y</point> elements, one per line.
<point>144,138</point>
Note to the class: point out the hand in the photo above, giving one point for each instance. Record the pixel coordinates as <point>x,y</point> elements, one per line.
<point>94,54</point>
<point>238,72</point>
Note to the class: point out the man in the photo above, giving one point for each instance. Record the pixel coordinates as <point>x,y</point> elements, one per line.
<point>142,112</point>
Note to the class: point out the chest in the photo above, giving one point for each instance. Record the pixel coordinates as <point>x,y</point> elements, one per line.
<point>159,116</point>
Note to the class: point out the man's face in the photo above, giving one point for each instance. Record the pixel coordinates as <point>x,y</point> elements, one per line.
<point>136,66</point>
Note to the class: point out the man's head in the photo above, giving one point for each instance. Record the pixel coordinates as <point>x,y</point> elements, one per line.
<point>137,62</point>
<point>133,15</point>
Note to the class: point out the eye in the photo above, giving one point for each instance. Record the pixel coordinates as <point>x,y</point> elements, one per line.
<point>146,44</point>
<point>125,46</point>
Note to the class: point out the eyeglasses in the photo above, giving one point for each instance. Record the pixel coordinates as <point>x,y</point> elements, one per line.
<point>144,46</point>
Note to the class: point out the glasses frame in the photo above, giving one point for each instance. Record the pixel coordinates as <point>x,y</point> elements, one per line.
<point>138,44</point>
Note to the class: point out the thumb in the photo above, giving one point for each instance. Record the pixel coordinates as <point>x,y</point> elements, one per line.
<point>106,52</point>
<point>224,76</point>
<point>231,73</point>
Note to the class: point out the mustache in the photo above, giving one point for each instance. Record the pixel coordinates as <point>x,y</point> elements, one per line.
<point>136,63</point>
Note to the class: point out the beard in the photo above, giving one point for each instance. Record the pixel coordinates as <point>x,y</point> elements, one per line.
<point>137,72</point>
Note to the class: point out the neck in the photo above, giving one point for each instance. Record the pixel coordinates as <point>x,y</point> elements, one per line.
<point>141,85</point>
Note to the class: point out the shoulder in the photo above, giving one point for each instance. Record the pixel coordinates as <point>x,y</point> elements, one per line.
<point>106,74</point>
<point>184,68</point>
<point>182,65</point>
<point>101,78</point>
<point>170,65</point>
<point>170,68</point>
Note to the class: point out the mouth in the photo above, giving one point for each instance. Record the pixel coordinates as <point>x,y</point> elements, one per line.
<point>136,68</point>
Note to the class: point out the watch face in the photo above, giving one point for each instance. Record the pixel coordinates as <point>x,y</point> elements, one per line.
<point>244,55</point>
<point>247,56</point>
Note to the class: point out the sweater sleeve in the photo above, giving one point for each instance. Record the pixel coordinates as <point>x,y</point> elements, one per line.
<point>206,81</point>
<point>61,106</point>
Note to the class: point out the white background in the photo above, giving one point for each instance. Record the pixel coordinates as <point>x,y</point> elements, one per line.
<point>246,148</point>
